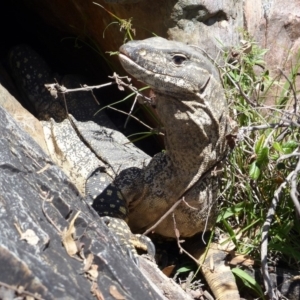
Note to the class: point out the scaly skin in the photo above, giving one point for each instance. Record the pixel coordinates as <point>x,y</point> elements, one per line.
<point>191,104</point>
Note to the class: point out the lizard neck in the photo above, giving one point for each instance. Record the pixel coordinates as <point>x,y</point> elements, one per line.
<point>194,135</point>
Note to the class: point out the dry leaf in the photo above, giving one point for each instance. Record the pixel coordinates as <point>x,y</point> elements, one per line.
<point>246,46</point>
<point>93,272</point>
<point>88,262</point>
<point>115,293</point>
<point>43,169</point>
<point>95,291</point>
<point>168,270</point>
<point>30,237</point>
<point>67,237</point>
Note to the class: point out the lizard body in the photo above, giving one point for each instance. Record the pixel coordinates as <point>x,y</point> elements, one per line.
<point>191,104</point>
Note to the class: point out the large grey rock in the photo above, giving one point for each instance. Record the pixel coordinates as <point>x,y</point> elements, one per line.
<point>211,25</point>
<point>31,187</point>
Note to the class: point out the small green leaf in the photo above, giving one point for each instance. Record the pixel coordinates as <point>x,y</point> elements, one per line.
<point>248,281</point>
<point>254,171</point>
<point>230,211</point>
<point>277,147</point>
<point>289,147</point>
<point>259,144</point>
<point>185,269</point>
<point>262,157</point>
<point>274,156</point>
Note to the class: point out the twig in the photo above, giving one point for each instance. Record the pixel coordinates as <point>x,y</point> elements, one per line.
<point>46,199</point>
<point>265,233</point>
<point>238,87</point>
<point>177,234</point>
<point>293,90</point>
<point>55,88</point>
<point>286,156</point>
<point>191,207</point>
<point>135,118</point>
<point>171,209</point>
<point>245,96</point>
<point>206,222</point>
<point>131,110</point>
<point>265,126</point>
<point>294,192</point>
<point>121,83</point>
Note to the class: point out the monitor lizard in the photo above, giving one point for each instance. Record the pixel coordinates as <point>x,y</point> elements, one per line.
<point>191,105</point>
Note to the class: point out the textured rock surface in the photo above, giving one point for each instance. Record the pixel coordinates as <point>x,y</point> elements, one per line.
<point>276,26</point>
<point>77,16</point>
<point>27,179</point>
<point>196,22</point>
<point>211,25</point>
<point>25,119</point>
<point>208,24</point>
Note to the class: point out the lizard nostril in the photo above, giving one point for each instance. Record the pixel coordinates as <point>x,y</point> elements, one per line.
<point>142,52</point>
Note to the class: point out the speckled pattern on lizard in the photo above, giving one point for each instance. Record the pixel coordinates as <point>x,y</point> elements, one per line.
<point>191,105</point>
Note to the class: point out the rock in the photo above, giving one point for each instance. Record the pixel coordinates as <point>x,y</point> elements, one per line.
<point>198,22</point>
<point>38,204</point>
<point>211,25</point>
<point>25,119</point>
<point>275,25</point>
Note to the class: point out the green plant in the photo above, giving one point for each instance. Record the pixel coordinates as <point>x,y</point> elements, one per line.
<point>266,152</point>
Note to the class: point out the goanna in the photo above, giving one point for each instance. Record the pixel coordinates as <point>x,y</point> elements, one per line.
<point>191,105</point>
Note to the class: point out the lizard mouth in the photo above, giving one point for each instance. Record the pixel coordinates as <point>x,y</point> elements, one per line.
<point>122,51</point>
<point>132,67</point>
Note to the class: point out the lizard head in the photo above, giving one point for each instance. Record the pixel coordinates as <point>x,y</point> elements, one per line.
<point>169,67</point>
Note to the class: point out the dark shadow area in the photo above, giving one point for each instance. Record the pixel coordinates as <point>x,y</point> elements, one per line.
<point>65,54</point>
<point>200,13</point>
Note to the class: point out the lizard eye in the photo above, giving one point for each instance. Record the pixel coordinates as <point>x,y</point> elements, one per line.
<point>178,59</point>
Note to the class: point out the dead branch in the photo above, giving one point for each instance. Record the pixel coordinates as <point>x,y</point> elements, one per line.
<point>171,209</point>
<point>239,88</point>
<point>135,118</point>
<point>294,192</point>
<point>291,178</point>
<point>121,83</point>
<point>55,88</point>
<point>177,234</point>
<point>292,88</point>
<point>265,126</point>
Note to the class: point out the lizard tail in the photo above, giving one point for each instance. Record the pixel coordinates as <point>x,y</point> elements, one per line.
<point>218,275</point>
